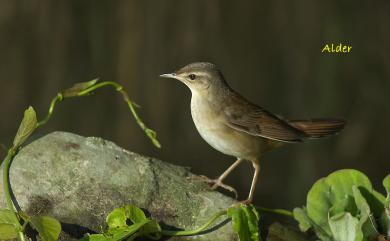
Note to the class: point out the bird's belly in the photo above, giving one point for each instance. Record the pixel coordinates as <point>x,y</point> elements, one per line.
<point>230,143</point>
<point>215,132</point>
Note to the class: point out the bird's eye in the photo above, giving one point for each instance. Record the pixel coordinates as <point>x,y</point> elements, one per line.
<point>192,76</point>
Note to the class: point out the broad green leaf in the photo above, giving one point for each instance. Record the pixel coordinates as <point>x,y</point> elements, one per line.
<point>48,228</point>
<point>125,232</point>
<point>374,199</point>
<point>366,228</point>
<point>117,218</point>
<point>116,234</point>
<point>318,204</point>
<point>134,213</point>
<point>152,230</point>
<point>239,223</point>
<point>27,126</point>
<point>305,223</point>
<point>385,218</point>
<point>343,227</point>
<point>301,216</point>
<point>8,231</point>
<point>385,222</point>
<point>346,204</point>
<point>94,237</point>
<point>341,182</point>
<point>7,216</point>
<point>244,222</point>
<point>330,191</point>
<point>78,87</point>
<point>386,184</point>
<point>253,221</point>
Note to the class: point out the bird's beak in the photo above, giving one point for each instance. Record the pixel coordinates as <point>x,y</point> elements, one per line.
<point>172,76</point>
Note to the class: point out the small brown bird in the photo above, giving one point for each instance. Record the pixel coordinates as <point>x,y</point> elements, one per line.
<point>236,127</point>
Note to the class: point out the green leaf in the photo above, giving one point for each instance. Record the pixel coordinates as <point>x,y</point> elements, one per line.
<point>117,234</point>
<point>366,228</point>
<point>386,183</point>
<point>342,181</point>
<point>125,232</point>
<point>7,216</point>
<point>253,221</point>
<point>385,222</point>
<point>27,126</point>
<point>78,87</point>
<point>327,194</point>
<point>8,231</point>
<point>385,218</point>
<point>94,237</point>
<point>343,227</point>
<point>346,204</point>
<point>48,228</point>
<point>152,230</point>
<point>117,218</point>
<point>120,230</point>
<point>245,222</point>
<point>301,216</point>
<point>375,201</point>
<point>305,223</point>
<point>318,204</point>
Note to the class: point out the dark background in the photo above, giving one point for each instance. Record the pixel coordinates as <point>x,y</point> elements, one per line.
<point>270,51</point>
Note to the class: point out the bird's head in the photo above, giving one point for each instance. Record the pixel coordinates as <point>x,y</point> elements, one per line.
<point>200,76</point>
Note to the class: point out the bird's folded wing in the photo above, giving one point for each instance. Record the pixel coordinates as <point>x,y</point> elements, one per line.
<point>256,121</point>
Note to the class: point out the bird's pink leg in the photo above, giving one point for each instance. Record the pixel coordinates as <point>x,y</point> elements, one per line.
<point>226,173</point>
<point>218,182</point>
<point>256,165</point>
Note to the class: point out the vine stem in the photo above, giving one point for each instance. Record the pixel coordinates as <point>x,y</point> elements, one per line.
<point>149,132</point>
<point>195,231</point>
<point>53,103</point>
<point>130,104</point>
<point>276,211</point>
<point>7,193</point>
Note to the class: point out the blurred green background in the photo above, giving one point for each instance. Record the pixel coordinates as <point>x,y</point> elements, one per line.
<point>270,51</point>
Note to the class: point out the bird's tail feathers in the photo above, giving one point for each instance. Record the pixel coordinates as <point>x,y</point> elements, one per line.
<point>317,128</point>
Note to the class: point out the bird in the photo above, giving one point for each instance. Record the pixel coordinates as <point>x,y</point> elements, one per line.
<point>236,127</point>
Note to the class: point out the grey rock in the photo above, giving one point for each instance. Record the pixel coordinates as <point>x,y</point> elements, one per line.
<point>80,180</point>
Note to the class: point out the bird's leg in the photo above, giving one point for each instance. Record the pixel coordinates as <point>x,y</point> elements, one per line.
<point>218,182</point>
<point>226,173</point>
<point>256,165</point>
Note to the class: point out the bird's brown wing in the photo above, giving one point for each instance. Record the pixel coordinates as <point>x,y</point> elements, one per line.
<point>243,116</point>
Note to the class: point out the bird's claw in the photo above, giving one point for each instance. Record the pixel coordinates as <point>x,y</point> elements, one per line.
<point>246,202</point>
<point>215,183</point>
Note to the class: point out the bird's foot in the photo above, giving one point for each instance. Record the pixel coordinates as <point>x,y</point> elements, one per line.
<point>215,183</point>
<point>244,202</point>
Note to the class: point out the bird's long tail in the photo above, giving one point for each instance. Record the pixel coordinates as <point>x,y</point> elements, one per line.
<point>317,128</point>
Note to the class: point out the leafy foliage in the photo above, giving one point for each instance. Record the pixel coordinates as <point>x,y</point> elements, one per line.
<point>78,88</point>
<point>48,228</point>
<point>119,229</point>
<point>27,126</point>
<point>12,224</point>
<point>386,214</point>
<point>8,229</point>
<point>245,221</point>
<point>344,207</point>
<point>130,222</point>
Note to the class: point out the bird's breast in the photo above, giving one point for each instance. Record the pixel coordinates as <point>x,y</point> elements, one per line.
<point>211,125</point>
